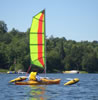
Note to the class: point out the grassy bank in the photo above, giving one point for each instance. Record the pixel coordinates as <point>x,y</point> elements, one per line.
<point>83,72</point>
<point>3,70</point>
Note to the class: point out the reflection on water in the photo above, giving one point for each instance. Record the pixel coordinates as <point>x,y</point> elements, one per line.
<point>37,92</point>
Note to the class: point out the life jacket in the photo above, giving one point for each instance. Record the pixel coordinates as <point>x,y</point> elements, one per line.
<point>32,76</point>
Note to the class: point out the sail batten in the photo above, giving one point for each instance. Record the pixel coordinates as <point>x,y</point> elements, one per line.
<point>36,33</point>
<point>36,44</point>
<point>38,19</point>
<point>37,40</point>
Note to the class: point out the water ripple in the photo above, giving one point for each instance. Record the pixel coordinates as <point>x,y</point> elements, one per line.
<point>86,89</point>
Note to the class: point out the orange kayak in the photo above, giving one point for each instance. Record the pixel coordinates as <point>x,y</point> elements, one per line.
<point>43,82</point>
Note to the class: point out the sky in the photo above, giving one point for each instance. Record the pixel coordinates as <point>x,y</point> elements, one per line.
<point>73,19</point>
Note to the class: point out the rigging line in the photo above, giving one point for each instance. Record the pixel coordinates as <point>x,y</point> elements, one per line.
<point>28,70</point>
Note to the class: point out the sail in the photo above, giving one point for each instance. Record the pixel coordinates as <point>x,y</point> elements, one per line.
<point>37,40</point>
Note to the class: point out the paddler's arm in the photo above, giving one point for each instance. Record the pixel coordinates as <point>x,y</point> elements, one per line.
<point>38,78</point>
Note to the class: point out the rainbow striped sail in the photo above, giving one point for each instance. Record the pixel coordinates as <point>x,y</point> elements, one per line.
<point>37,40</point>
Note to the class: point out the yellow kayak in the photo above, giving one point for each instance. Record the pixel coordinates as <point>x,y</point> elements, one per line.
<point>43,82</point>
<point>75,80</point>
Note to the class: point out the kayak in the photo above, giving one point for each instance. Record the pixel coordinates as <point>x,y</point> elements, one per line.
<point>75,80</point>
<point>43,82</point>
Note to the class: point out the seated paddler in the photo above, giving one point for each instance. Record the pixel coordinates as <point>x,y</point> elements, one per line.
<point>34,76</point>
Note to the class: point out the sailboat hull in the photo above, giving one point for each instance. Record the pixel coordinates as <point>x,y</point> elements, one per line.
<point>43,82</point>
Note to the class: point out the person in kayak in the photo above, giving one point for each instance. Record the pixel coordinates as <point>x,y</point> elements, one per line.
<point>34,76</point>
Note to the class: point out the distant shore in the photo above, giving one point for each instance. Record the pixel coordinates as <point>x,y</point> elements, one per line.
<point>6,70</point>
<point>3,70</point>
<point>81,72</point>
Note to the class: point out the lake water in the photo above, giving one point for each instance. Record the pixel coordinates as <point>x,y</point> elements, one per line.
<point>85,89</point>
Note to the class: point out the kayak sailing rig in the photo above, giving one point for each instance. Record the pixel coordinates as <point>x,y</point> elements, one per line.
<point>37,45</point>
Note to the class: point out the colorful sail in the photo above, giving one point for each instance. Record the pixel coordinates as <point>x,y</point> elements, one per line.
<point>37,40</point>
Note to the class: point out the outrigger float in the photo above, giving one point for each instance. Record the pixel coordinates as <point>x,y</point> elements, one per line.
<point>73,81</point>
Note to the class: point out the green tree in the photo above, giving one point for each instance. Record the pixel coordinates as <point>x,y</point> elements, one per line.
<point>90,62</point>
<point>3,27</point>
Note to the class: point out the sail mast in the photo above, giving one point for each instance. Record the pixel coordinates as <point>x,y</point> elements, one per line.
<point>45,40</point>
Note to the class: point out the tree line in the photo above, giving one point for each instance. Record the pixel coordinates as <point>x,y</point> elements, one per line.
<point>62,54</point>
